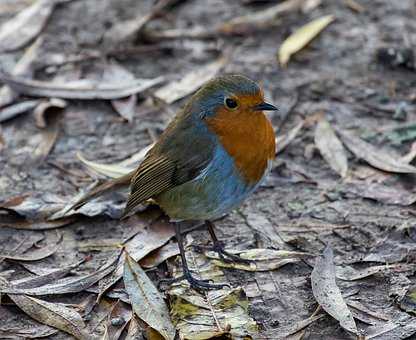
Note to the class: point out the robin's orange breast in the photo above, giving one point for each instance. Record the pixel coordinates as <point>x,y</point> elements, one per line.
<point>248,137</point>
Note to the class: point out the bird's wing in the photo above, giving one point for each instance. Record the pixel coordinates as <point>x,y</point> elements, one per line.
<point>178,157</point>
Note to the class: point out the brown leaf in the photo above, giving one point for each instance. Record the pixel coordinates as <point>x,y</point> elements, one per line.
<point>66,285</point>
<point>147,302</point>
<point>160,255</point>
<point>135,332</point>
<point>373,155</point>
<point>86,91</point>
<point>331,147</point>
<point>20,223</point>
<point>149,238</point>
<point>327,293</point>
<point>25,26</point>
<point>52,314</point>
<point>42,110</point>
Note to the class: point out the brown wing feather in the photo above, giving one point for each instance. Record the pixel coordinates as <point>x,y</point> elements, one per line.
<point>177,157</point>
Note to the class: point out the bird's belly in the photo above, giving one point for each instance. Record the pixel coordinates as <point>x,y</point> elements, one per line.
<point>215,192</point>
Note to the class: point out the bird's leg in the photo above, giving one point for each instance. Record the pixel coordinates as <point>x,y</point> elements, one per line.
<point>195,283</point>
<point>219,247</point>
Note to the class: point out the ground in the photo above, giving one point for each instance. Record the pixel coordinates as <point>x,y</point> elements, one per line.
<point>303,206</point>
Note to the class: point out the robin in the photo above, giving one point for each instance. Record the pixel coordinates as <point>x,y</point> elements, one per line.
<point>210,158</point>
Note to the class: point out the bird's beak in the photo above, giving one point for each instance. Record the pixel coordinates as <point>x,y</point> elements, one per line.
<point>265,107</point>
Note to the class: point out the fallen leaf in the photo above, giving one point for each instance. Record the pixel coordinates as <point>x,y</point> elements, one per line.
<point>14,110</point>
<point>283,141</point>
<point>36,281</point>
<point>208,314</point>
<point>66,285</point>
<point>35,255</point>
<point>190,82</point>
<point>260,259</point>
<point>302,37</point>
<point>327,293</point>
<point>25,26</point>
<point>300,325</point>
<point>109,170</point>
<point>127,29</point>
<point>146,300</point>
<point>134,332</point>
<point>148,238</point>
<point>24,67</point>
<point>350,274</point>
<point>408,302</point>
<point>126,107</point>
<point>41,110</point>
<point>52,314</point>
<point>20,223</point>
<point>374,156</point>
<point>402,327</point>
<point>364,314</point>
<point>160,255</point>
<point>258,20</point>
<point>87,90</point>
<point>331,147</point>
<point>118,319</point>
<point>386,194</point>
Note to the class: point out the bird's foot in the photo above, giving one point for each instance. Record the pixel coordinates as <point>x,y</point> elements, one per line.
<point>198,284</point>
<point>224,255</point>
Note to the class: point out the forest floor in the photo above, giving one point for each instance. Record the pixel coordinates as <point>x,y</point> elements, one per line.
<point>367,216</point>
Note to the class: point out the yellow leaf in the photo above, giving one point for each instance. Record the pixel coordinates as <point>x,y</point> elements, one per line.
<point>303,36</point>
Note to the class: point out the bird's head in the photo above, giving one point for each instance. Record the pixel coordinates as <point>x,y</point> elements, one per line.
<point>229,96</point>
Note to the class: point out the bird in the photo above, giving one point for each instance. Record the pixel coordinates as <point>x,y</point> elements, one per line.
<point>213,155</point>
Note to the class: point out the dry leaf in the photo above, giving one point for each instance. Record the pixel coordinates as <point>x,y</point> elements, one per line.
<point>282,141</point>
<point>25,26</point>
<point>35,255</point>
<point>118,319</point>
<point>259,19</point>
<point>160,255</point>
<point>66,285</point>
<point>374,155</point>
<point>148,238</point>
<point>350,274</point>
<point>302,37</point>
<point>386,194</point>
<point>134,332</point>
<point>127,29</point>
<point>189,83</point>
<point>52,314</point>
<point>261,259</point>
<point>24,67</point>
<point>327,293</point>
<point>14,110</point>
<point>109,170</point>
<point>331,148</point>
<point>146,300</point>
<point>209,314</point>
<point>87,90</point>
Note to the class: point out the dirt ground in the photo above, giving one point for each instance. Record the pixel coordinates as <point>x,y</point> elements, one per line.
<point>303,206</point>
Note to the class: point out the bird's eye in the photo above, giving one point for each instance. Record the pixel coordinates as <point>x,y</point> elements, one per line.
<point>230,103</point>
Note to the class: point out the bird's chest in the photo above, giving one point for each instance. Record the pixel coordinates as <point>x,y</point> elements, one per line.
<point>249,142</point>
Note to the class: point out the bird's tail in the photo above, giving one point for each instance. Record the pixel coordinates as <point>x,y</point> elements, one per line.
<point>100,189</point>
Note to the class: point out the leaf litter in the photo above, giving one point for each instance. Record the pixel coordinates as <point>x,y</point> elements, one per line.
<point>331,148</point>
<point>328,294</point>
<point>146,300</point>
<point>208,314</point>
